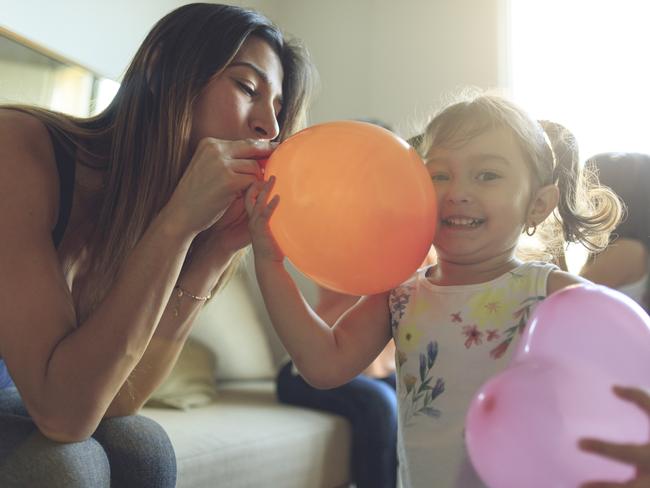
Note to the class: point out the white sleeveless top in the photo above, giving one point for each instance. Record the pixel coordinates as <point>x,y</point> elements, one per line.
<point>450,340</point>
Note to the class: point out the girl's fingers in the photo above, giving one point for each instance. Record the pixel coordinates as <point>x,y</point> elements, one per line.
<point>270,208</point>
<point>263,195</point>
<point>256,197</point>
<point>627,453</point>
<point>251,196</point>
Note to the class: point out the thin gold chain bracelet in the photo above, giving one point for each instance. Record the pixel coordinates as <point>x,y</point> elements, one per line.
<point>179,291</point>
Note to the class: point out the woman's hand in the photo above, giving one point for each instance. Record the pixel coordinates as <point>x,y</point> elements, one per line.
<point>637,455</point>
<point>259,214</point>
<point>218,174</point>
<point>229,233</point>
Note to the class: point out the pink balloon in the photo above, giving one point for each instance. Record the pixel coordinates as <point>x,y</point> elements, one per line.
<point>523,426</point>
<point>591,326</point>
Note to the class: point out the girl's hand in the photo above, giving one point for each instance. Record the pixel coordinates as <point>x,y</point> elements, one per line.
<point>259,214</point>
<point>635,454</point>
<point>218,174</point>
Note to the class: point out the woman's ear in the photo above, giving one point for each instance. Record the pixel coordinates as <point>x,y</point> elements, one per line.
<point>545,200</point>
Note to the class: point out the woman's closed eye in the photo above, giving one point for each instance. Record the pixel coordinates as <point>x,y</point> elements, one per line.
<point>247,88</point>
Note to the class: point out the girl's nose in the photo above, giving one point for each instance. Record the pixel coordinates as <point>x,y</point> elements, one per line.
<point>457,192</point>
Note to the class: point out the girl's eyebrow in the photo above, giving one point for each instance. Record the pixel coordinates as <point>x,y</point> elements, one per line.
<point>483,157</point>
<point>473,159</point>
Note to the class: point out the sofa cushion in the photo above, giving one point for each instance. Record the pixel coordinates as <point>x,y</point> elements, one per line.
<point>230,326</point>
<point>247,439</point>
<point>191,382</point>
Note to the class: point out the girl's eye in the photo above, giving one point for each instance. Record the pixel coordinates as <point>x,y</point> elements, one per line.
<point>247,89</point>
<point>440,177</point>
<point>487,176</point>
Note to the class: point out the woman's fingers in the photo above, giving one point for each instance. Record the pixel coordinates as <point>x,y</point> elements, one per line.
<point>634,395</point>
<point>253,149</point>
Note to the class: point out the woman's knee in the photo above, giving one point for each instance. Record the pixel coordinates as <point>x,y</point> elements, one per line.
<point>139,451</point>
<point>37,461</point>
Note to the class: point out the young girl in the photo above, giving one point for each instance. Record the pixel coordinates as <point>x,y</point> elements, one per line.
<point>455,323</point>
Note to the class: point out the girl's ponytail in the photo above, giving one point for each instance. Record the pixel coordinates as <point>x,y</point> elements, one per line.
<point>587,211</point>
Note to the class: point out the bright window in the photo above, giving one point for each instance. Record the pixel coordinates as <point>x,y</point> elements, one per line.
<point>584,63</point>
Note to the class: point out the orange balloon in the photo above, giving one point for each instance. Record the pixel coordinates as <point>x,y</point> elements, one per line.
<point>357,209</point>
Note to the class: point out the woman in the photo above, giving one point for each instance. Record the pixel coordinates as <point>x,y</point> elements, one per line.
<point>624,264</point>
<point>118,228</point>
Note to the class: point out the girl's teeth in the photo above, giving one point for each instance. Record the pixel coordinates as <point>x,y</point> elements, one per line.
<point>462,221</point>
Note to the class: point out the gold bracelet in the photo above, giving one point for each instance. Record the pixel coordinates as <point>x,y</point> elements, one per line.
<point>180,292</point>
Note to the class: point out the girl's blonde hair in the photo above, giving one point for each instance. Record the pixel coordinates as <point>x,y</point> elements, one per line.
<point>586,213</point>
<point>141,140</point>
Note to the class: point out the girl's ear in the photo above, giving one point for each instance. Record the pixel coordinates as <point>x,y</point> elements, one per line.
<point>542,204</point>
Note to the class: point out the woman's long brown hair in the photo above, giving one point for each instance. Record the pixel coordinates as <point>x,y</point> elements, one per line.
<point>141,140</point>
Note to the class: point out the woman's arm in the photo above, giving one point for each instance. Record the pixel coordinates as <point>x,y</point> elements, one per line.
<point>169,337</point>
<point>68,373</point>
<point>325,356</point>
<point>623,262</point>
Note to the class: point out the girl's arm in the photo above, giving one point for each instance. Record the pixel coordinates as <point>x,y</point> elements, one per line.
<point>326,357</point>
<point>331,305</point>
<point>68,373</point>
<point>561,279</point>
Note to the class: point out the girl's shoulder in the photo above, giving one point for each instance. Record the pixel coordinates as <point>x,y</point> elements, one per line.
<point>558,279</point>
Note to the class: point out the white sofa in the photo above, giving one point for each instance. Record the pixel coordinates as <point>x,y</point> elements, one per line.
<point>239,435</point>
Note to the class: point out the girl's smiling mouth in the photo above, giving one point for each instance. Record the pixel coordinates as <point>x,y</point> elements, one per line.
<point>462,222</point>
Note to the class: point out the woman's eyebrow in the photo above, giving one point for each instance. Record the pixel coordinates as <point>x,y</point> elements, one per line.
<point>258,71</point>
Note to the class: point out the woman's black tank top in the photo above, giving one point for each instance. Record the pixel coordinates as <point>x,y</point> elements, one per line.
<point>65,164</point>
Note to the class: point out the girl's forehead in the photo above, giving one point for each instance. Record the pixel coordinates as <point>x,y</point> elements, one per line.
<point>497,140</point>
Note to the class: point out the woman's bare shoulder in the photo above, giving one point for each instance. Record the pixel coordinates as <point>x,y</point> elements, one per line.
<point>20,130</point>
<point>28,173</point>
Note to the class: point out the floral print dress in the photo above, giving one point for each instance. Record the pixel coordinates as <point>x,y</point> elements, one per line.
<point>450,340</point>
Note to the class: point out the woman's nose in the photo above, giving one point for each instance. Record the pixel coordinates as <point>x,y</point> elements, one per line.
<point>264,123</point>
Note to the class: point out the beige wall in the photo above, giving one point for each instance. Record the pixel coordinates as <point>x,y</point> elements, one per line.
<point>101,35</point>
<point>394,60</point>
<point>389,59</point>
